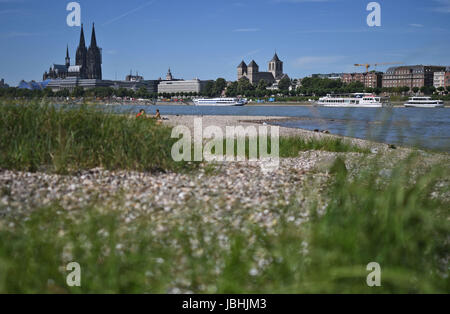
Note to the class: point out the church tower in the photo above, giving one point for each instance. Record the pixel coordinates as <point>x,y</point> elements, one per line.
<point>276,67</point>
<point>252,71</point>
<point>169,76</point>
<point>81,56</point>
<point>94,58</point>
<point>67,57</point>
<point>242,70</point>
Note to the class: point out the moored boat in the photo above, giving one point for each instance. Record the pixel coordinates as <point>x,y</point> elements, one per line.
<point>220,102</point>
<point>424,102</point>
<point>356,100</point>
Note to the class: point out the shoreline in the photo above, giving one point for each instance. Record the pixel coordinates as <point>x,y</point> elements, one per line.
<point>256,121</point>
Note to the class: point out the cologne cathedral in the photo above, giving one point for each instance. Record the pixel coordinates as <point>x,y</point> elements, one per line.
<point>88,63</point>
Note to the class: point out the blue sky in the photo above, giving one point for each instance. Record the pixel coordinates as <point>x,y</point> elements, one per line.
<point>208,38</point>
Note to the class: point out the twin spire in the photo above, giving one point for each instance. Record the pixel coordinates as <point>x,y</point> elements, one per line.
<point>93,37</point>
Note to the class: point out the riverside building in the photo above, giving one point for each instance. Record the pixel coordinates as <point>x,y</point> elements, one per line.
<point>439,79</point>
<point>411,76</point>
<point>182,86</point>
<point>370,79</point>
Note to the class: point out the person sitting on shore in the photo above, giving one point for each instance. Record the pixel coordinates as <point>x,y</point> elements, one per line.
<point>158,115</point>
<point>141,113</point>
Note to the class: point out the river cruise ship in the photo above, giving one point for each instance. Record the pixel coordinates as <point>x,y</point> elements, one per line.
<point>220,102</point>
<point>357,100</point>
<point>424,102</point>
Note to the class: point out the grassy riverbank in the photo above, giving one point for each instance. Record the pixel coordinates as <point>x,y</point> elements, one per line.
<point>40,137</point>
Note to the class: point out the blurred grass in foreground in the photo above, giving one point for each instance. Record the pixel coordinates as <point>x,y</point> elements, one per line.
<point>392,218</point>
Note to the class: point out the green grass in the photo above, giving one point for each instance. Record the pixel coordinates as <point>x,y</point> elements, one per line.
<point>291,146</point>
<point>391,219</point>
<point>35,137</point>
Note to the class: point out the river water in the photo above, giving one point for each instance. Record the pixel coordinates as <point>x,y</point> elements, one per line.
<point>424,128</point>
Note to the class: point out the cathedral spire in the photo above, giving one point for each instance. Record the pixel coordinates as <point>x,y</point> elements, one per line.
<point>67,57</point>
<point>93,38</point>
<point>82,41</point>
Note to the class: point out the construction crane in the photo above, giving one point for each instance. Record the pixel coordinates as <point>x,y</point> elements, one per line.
<point>367,65</point>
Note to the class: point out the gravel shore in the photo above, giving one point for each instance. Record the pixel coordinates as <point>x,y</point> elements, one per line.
<point>241,186</point>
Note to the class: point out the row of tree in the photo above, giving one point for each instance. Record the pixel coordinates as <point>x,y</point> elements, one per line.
<point>313,87</point>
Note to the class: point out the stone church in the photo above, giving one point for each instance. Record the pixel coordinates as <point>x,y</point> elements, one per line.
<point>88,63</point>
<point>251,71</point>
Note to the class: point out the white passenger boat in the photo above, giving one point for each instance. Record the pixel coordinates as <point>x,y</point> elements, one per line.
<point>220,102</point>
<point>424,102</point>
<point>357,100</point>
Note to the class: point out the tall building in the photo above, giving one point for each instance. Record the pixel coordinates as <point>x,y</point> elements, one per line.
<point>411,76</point>
<point>370,79</point>
<point>439,79</point>
<point>88,62</point>
<point>447,79</point>
<point>251,71</point>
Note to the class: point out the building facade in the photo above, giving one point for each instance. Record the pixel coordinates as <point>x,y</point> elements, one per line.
<point>70,83</point>
<point>182,86</point>
<point>252,73</point>
<point>88,62</point>
<point>439,79</point>
<point>370,79</point>
<point>447,79</point>
<point>411,76</point>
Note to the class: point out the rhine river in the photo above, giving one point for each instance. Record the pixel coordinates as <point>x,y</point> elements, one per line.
<point>423,128</point>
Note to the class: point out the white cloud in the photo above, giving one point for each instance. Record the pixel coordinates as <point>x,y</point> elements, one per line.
<point>244,30</point>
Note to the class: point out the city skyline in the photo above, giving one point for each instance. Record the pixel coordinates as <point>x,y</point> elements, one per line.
<point>204,39</point>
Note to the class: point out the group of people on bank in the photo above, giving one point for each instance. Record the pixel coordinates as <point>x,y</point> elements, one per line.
<point>157,115</point>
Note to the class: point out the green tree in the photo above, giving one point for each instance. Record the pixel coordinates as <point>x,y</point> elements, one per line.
<point>425,90</point>
<point>244,86</point>
<point>432,89</point>
<point>78,91</point>
<point>232,90</point>
<point>262,85</point>
<point>143,92</point>
<point>284,84</point>
<point>219,86</point>
<point>416,89</point>
<point>209,89</point>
